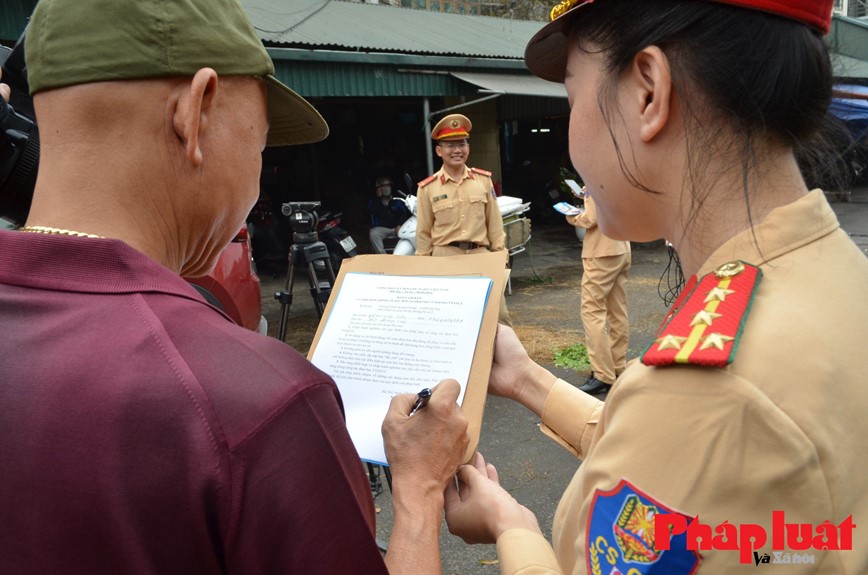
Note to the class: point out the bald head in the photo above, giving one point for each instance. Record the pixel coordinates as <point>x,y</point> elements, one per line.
<point>169,165</point>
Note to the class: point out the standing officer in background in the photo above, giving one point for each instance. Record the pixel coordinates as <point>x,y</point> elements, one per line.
<point>604,300</point>
<point>457,208</point>
<point>387,215</point>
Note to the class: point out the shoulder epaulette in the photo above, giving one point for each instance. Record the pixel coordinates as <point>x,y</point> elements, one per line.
<point>427,180</point>
<point>481,171</point>
<point>706,323</point>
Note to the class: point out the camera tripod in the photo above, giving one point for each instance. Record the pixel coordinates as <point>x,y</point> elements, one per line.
<point>306,248</point>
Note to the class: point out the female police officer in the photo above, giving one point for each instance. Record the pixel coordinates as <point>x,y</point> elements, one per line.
<point>739,438</point>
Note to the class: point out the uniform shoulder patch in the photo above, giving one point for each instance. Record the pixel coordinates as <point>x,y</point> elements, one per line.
<point>427,181</point>
<point>622,535</point>
<point>481,171</point>
<point>705,324</point>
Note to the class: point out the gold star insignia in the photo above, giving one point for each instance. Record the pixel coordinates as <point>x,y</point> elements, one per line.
<point>715,340</point>
<point>704,317</point>
<point>670,342</point>
<point>718,294</point>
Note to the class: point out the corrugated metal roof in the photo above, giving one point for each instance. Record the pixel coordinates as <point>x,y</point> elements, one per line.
<point>337,80</point>
<point>331,24</point>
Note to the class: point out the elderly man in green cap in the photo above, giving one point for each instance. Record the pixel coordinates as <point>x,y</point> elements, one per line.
<point>143,431</point>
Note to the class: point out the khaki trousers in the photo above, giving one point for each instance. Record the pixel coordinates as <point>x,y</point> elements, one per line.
<point>604,314</point>
<point>503,313</point>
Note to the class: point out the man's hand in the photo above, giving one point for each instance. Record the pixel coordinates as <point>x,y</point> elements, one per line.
<point>425,450</point>
<point>479,510</point>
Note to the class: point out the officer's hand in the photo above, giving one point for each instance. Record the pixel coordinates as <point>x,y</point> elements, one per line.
<point>479,510</point>
<point>574,219</point>
<point>424,450</point>
<point>515,375</point>
<point>511,362</point>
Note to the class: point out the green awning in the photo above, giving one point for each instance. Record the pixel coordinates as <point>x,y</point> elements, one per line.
<point>513,84</point>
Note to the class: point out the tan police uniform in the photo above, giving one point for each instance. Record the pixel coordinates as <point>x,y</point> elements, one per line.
<point>452,214</point>
<point>606,263</point>
<point>781,428</point>
<point>458,216</point>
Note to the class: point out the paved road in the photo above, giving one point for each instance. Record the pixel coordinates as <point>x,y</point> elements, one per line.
<point>544,307</point>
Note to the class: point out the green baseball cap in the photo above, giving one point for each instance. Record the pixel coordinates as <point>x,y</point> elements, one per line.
<point>70,42</point>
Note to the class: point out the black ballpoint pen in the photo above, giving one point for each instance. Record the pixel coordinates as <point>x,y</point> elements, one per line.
<point>421,400</point>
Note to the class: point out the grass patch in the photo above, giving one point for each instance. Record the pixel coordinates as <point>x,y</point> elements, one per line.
<point>540,280</point>
<point>573,357</point>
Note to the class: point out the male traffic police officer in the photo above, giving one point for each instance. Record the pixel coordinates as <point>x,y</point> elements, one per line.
<point>457,209</point>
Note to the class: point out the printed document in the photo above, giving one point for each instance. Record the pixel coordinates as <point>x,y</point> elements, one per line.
<point>390,334</point>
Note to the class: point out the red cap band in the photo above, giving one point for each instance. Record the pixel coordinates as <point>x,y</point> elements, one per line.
<point>459,132</point>
<point>815,13</point>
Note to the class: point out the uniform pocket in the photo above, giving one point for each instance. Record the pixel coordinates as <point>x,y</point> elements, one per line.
<point>478,203</point>
<point>477,197</point>
<point>445,212</point>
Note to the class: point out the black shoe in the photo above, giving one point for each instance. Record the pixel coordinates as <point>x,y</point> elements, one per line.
<point>594,386</point>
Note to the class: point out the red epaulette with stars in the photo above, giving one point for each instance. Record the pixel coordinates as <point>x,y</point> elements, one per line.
<point>481,171</point>
<point>705,324</point>
<point>426,181</point>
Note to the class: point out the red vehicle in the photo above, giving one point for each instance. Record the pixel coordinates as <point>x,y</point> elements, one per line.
<point>233,285</point>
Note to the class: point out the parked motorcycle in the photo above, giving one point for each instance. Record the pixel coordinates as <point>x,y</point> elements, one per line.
<point>406,245</point>
<point>339,242</point>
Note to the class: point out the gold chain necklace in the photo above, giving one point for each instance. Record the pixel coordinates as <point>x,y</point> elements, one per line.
<point>56,231</point>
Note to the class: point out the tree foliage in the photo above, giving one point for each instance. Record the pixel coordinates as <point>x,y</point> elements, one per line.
<point>525,9</point>
<point>537,10</point>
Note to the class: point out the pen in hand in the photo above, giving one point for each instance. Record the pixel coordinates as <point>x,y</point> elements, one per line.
<point>421,400</point>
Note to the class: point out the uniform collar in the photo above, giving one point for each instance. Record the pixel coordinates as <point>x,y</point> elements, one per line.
<point>785,229</point>
<point>444,177</point>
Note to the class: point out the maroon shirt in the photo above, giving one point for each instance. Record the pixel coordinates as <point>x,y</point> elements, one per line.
<point>141,431</point>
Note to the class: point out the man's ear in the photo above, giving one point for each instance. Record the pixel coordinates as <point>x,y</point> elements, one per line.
<point>652,82</point>
<point>192,111</point>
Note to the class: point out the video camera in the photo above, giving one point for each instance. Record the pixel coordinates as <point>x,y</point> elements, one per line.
<point>19,138</point>
<point>302,217</point>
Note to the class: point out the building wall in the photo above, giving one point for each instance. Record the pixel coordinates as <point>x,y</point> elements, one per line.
<point>13,19</point>
<point>484,139</point>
